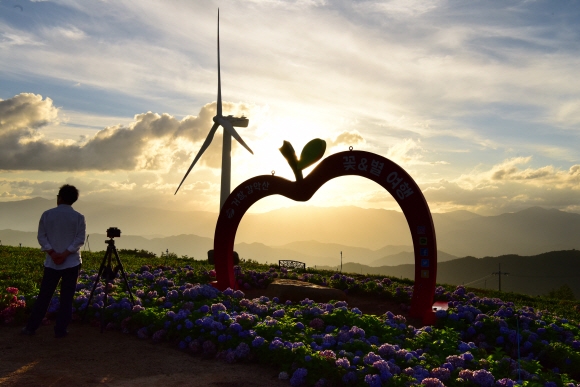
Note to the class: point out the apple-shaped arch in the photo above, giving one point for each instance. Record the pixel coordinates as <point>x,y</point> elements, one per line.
<point>358,163</point>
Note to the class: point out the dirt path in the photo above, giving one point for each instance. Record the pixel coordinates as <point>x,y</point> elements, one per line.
<point>88,357</point>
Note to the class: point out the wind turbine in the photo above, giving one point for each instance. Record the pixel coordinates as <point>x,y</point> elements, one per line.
<point>228,124</point>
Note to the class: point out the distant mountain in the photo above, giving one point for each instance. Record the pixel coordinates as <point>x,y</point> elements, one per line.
<point>350,226</point>
<point>365,231</point>
<point>24,215</point>
<point>407,257</point>
<point>531,231</point>
<point>191,245</point>
<point>533,275</point>
<point>458,216</point>
<point>311,253</point>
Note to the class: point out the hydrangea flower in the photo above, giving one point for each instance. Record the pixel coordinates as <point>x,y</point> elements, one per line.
<point>432,382</point>
<point>298,377</point>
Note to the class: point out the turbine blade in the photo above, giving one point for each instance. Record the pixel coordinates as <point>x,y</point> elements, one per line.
<point>219,98</point>
<point>230,129</point>
<point>203,148</point>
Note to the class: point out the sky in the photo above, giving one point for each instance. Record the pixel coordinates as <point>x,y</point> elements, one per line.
<point>478,101</point>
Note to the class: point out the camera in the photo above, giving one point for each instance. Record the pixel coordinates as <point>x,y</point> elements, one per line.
<point>113,232</point>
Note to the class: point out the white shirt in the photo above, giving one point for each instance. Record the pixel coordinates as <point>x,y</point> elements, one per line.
<point>62,228</point>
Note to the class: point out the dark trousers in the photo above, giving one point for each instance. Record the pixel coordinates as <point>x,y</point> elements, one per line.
<point>68,284</point>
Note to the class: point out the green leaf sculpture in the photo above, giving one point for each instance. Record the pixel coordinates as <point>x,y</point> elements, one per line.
<point>312,152</point>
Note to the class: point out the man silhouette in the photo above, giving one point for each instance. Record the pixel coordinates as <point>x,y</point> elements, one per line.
<point>61,233</point>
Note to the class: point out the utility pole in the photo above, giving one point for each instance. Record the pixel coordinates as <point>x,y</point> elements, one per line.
<point>341,261</point>
<point>499,274</point>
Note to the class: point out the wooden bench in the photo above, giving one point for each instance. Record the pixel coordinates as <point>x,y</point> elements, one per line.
<point>292,265</point>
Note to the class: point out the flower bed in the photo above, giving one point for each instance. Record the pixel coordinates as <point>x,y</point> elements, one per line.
<point>478,341</point>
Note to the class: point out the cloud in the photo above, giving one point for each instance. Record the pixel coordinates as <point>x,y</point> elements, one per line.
<point>508,186</point>
<point>569,113</point>
<point>346,138</point>
<point>399,8</point>
<point>26,111</point>
<point>151,142</point>
<point>29,188</point>
<point>409,152</point>
<point>510,170</point>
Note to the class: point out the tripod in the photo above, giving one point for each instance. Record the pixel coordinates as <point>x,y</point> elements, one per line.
<point>108,274</point>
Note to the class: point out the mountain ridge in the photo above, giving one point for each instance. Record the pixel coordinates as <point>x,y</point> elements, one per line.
<point>459,233</point>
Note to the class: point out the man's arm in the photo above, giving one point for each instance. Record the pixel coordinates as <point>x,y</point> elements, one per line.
<point>78,241</point>
<point>45,244</point>
<point>42,237</point>
<point>79,238</point>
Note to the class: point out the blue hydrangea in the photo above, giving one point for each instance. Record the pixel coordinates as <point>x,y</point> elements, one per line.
<point>298,377</point>
<point>258,341</point>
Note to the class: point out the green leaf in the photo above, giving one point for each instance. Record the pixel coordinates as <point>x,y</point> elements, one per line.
<point>312,152</point>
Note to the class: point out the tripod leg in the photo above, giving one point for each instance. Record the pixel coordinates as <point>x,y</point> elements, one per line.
<point>97,280</point>
<point>103,311</point>
<point>124,276</point>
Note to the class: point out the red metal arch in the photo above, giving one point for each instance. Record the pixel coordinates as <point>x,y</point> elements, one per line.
<point>369,165</point>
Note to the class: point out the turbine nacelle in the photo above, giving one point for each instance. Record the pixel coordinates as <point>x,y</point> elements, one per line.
<point>238,122</point>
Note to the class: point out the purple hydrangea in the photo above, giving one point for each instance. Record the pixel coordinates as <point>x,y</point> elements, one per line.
<point>484,378</point>
<point>298,377</point>
<point>432,382</point>
<point>371,358</point>
<point>349,378</point>
<point>373,380</point>
<point>387,350</point>
<point>466,375</point>
<point>317,324</point>
<point>441,373</point>
<point>455,361</point>
<point>242,351</point>
<point>219,307</point>
<point>204,309</point>
<point>342,362</point>
<point>143,333</point>
<point>505,382</point>
<point>258,341</point>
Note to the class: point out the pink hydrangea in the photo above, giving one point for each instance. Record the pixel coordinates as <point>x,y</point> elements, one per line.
<point>12,290</point>
<point>327,354</point>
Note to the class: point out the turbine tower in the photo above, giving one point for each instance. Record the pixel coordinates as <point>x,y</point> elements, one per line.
<point>228,124</point>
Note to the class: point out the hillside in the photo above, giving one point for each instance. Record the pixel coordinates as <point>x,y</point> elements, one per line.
<point>533,275</point>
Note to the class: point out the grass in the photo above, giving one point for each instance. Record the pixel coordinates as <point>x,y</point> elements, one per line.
<point>22,267</point>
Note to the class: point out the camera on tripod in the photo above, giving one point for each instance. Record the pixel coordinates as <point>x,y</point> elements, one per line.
<point>113,232</point>
<point>107,273</point>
